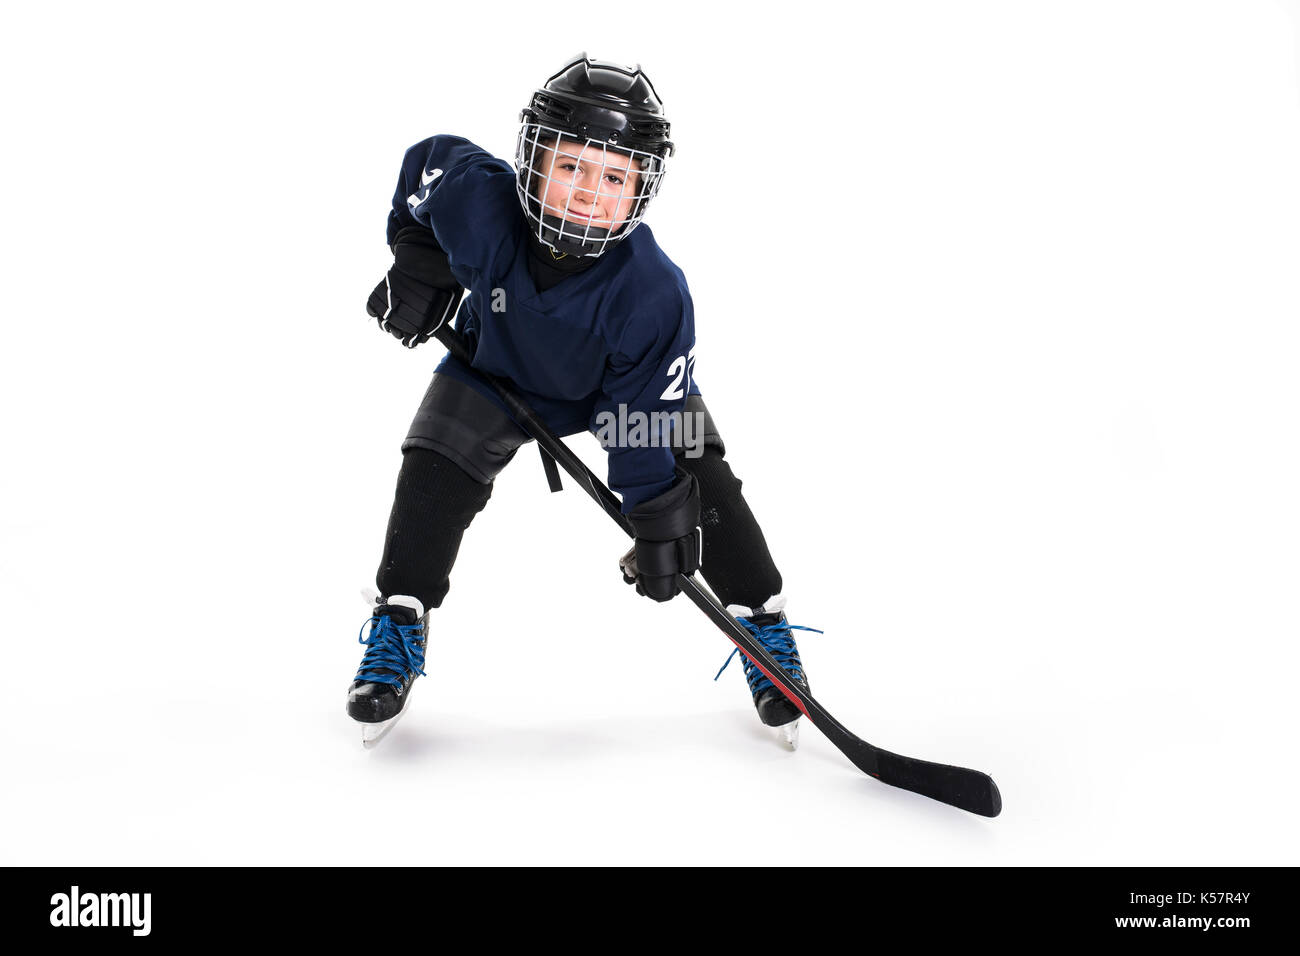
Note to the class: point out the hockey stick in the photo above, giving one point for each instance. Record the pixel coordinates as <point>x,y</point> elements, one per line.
<point>958,786</point>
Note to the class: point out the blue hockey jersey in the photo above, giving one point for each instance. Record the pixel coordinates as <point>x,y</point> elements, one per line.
<point>613,340</point>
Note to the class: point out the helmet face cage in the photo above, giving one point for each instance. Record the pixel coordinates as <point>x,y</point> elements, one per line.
<point>562,174</point>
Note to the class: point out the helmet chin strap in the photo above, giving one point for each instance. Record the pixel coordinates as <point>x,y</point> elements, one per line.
<point>560,232</point>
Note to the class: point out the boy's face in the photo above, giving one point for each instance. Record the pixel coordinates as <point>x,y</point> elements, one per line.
<point>587,185</point>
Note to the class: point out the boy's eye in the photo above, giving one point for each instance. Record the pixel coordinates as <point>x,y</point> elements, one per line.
<point>616,180</point>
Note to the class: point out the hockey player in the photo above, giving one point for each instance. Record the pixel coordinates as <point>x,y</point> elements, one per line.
<point>571,299</point>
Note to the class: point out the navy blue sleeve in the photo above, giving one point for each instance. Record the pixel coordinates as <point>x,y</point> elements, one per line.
<point>446,185</point>
<point>646,380</point>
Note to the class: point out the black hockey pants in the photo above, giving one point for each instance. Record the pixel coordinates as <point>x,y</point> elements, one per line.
<point>458,443</point>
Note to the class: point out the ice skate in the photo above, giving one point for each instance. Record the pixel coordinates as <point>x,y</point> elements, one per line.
<point>769,625</point>
<point>393,660</point>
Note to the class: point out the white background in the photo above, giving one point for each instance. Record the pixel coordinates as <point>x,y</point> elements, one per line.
<point>997,309</point>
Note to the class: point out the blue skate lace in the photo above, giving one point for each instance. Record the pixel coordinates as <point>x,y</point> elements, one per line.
<point>778,641</point>
<point>393,647</point>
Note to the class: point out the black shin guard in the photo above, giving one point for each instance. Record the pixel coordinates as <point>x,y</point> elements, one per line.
<point>434,504</point>
<point>736,563</point>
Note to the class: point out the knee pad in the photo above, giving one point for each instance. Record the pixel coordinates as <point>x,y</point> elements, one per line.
<point>736,560</point>
<point>435,502</point>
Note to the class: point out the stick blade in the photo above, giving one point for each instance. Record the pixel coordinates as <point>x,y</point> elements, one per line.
<point>956,786</point>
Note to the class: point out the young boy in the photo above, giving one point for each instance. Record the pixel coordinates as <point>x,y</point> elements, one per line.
<point>573,301</point>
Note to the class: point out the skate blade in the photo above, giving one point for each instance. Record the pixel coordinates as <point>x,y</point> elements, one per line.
<point>371,734</point>
<point>789,734</point>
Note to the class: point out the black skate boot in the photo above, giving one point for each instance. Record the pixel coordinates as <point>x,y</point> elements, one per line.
<point>393,660</point>
<point>769,625</point>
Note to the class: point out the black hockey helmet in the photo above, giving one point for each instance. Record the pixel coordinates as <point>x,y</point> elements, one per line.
<point>593,144</point>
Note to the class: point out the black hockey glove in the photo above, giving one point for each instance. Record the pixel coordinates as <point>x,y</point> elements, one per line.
<point>419,293</point>
<point>668,540</point>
